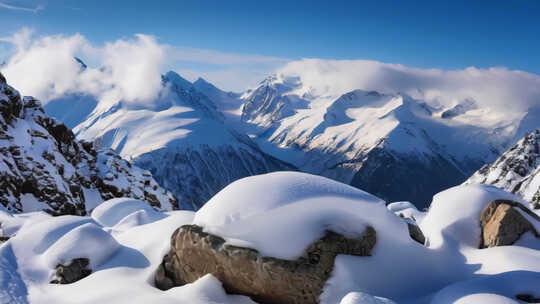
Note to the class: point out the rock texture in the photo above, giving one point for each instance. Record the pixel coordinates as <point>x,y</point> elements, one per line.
<point>77,269</point>
<point>195,253</point>
<point>43,166</point>
<point>516,170</point>
<point>416,234</point>
<point>503,223</point>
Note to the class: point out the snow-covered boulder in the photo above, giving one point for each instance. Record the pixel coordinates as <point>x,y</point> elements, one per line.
<point>125,211</point>
<point>86,241</point>
<point>242,270</point>
<point>454,214</point>
<point>363,298</point>
<point>43,166</point>
<point>274,237</point>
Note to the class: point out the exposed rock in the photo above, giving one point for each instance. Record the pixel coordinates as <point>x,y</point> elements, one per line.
<point>416,234</point>
<point>515,170</point>
<point>195,253</point>
<point>77,269</point>
<point>527,298</point>
<point>43,166</point>
<point>503,224</point>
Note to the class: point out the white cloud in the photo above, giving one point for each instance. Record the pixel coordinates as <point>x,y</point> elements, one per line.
<point>130,70</point>
<point>34,10</point>
<point>493,87</point>
<point>127,69</point>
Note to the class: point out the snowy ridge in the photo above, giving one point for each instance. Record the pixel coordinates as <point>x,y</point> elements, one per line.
<point>125,247</point>
<point>366,137</point>
<point>181,137</point>
<point>516,170</point>
<point>43,166</point>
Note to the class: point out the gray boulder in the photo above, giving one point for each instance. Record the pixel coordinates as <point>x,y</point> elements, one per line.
<point>245,271</point>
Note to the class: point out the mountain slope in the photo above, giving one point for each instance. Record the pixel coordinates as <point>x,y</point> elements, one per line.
<point>391,145</point>
<point>181,137</point>
<point>516,170</point>
<point>43,166</point>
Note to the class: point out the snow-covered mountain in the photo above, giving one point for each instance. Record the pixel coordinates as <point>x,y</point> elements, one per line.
<point>181,137</point>
<point>516,170</point>
<point>43,166</point>
<point>391,145</point>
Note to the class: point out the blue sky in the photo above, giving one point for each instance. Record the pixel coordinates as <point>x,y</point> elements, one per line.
<point>425,34</point>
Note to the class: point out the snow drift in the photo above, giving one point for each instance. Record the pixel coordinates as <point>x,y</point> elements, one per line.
<point>278,214</point>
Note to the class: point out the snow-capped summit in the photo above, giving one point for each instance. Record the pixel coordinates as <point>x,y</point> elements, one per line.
<point>225,101</point>
<point>180,137</point>
<point>389,144</point>
<point>43,166</point>
<point>272,101</point>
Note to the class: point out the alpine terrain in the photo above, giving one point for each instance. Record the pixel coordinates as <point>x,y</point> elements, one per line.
<point>181,137</point>
<point>43,166</point>
<point>516,170</point>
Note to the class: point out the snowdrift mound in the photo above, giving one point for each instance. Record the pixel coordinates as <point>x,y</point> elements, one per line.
<point>121,210</point>
<point>86,241</point>
<point>274,219</point>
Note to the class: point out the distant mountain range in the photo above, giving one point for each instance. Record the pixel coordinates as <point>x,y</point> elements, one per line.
<point>196,138</point>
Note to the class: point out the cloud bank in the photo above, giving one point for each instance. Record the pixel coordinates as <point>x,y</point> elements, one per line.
<point>495,87</point>
<point>129,69</point>
<point>125,69</point>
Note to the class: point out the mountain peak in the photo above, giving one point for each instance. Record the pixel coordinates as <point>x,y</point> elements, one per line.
<point>2,78</point>
<point>201,83</point>
<point>177,80</point>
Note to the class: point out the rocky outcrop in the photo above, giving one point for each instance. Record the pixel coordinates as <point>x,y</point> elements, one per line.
<point>43,166</point>
<point>77,269</point>
<point>416,234</point>
<point>527,298</point>
<point>503,223</point>
<point>516,170</point>
<point>195,253</point>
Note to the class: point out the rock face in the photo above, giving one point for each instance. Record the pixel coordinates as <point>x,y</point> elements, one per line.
<point>195,253</point>
<point>516,170</point>
<point>43,166</point>
<point>77,269</point>
<point>503,224</point>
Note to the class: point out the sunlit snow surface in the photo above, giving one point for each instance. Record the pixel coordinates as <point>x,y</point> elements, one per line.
<point>278,214</point>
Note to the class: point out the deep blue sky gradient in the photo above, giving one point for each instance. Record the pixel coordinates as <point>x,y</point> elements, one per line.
<point>427,34</point>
